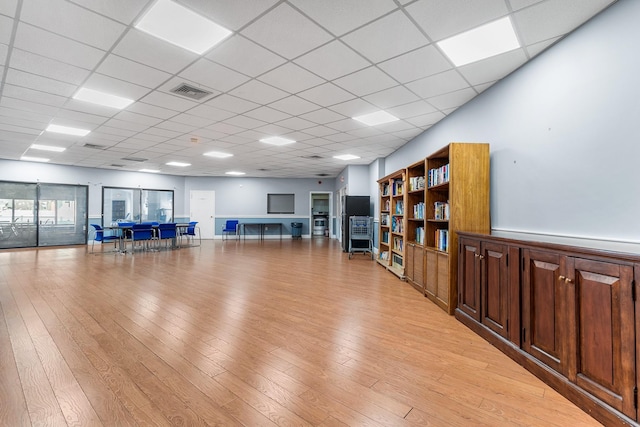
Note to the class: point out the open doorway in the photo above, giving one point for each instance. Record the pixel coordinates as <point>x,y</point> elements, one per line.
<point>321,218</point>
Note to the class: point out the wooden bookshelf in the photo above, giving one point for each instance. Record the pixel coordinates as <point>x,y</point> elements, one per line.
<point>391,245</point>
<point>415,230</point>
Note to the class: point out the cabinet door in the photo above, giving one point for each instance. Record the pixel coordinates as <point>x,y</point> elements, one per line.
<point>408,266</point>
<point>495,287</point>
<point>601,319</point>
<point>431,274</point>
<point>418,268</point>
<point>469,277</point>
<point>543,308</point>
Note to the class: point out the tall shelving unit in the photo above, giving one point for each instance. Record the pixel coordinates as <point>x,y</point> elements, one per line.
<point>457,198</point>
<point>392,223</point>
<point>415,231</point>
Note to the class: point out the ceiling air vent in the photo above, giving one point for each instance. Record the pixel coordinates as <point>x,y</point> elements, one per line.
<point>313,156</point>
<point>322,174</point>
<point>135,159</point>
<point>95,146</point>
<point>190,91</point>
<point>113,165</point>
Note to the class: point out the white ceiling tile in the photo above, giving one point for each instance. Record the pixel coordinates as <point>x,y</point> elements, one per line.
<point>365,132</point>
<point>117,87</point>
<point>44,84</point>
<point>346,125</point>
<point>412,109</point>
<point>438,84</point>
<point>209,112</point>
<point>426,119</point>
<point>6,29</point>
<point>4,50</point>
<point>417,64</point>
<point>124,11</point>
<point>80,117</point>
<point>122,124</point>
<point>482,87</point>
<point>144,48</point>
<point>280,31</point>
<point>89,108</point>
<point>8,7</point>
<point>296,123</point>
<point>42,66</point>
<point>294,105</point>
<point>254,60</point>
<point>245,122</point>
<point>232,103</point>
<point>340,137</point>
<point>494,68</point>
<point>138,118</point>
<point>453,99</point>
<point>225,128</point>
<point>165,133</point>
<point>397,126</point>
<point>170,102</point>
<point>339,16</point>
<point>271,130</point>
<point>50,45</point>
<point>26,94</point>
<point>354,107</point>
<point>391,97</point>
<point>213,75</point>
<point>267,114</point>
<point>71,21</point>
<point>230,14</point>
<point>29,124</point>
<point>374,40</point>
<point>326,94</point>
<point>192,121</point>
<point>291,78</point>
<point>125,69</point>
<point>151,110</point>
<point>536,48</point>
<point>444,18</point>
<point>366,81</point>
<point>333,60</point>
<point>175,126</point>
<point>322,116</point>
<point>33,107</point>
<point>553,18</point>
<point>259,92</point>
<point>320,131</point>
<point>521,4</point>
<point>19,129</point>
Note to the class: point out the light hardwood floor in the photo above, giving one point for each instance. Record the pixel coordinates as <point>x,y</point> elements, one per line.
<point>288,333</point>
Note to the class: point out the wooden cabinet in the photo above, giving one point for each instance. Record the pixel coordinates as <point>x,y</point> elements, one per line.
<point>414,267</point>
<point>415,215</point>
<point>574,308</point>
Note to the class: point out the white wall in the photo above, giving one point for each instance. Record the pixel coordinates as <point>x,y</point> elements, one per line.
<point>564,134</point>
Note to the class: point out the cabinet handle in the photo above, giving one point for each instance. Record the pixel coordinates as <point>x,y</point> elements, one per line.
<point>562,278</point>
<point>481,257</point>
<point>567,280</point>
<point>476,255</point>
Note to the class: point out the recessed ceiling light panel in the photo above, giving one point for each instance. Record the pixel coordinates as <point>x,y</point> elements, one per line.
<point>483,42</point>
<point>182,27</point>
<point>236,173</point>
<point>376,118</point>
<point>102,98</point>
<point>277,140</point>
<point>67,130</point>
<point>179,164</point>
<point>34,159</point>
<point>218,154</point>
<point>346,157</point>
<point>149,170</point>
<point>47,148</point>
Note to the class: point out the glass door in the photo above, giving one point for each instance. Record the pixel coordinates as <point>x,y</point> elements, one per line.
<point>18,215</point>
<point>62,214</point>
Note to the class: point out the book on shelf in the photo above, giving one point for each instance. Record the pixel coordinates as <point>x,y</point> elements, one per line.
<point>438,176</point>
<point>398,187</point>
<point>416,183</point>
<point>399,207</point>
<point>420,235</point>
<point>441,210</point>
<point>442,240</point>
<point>385,188</point>
<point>385,237</point>
<point>396,261</point>
<point>387,205</point>
<point>397,224</point>
<point>384,218</point>
<point>418,210</point>
<point>398,244</point>
<point>384,255</point>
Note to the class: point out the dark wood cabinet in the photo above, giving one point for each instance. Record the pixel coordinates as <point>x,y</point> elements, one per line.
<point>566,313</point>
<point>414,266</point>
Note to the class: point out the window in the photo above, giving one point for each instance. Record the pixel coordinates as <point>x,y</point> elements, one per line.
<point>136,205</point>
<point>280,203</point>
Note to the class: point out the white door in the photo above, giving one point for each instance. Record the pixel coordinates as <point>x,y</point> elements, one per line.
<point>202,205</point>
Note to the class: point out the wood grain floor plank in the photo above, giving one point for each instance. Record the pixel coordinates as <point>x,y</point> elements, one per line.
<point>250,333</point>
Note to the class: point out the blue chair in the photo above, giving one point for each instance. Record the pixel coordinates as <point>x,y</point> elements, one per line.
<point>98,236</point>
<point>193,230</point>
<point>141,233</point>
<point>166,232</point>
<point>230,227</point>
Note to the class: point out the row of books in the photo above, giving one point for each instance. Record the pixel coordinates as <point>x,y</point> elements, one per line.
<point>398,187</point>
<point>438,176</point>
<point>385,237</point>
<point>385,189</point>
<point>384,255</point>
<point>416,183</point>
<point>399,207</point>
<point>387,205</point>
<point>396,261</point>
<point>384,219</point>
<point>398,244</point>
<point>397,225</point>
<point>441,210</point>
<point>420,235</point>
<point>418,210</point>
<point>442,240</point>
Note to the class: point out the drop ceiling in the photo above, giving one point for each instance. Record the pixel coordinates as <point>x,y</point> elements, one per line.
<point>298,69</point>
